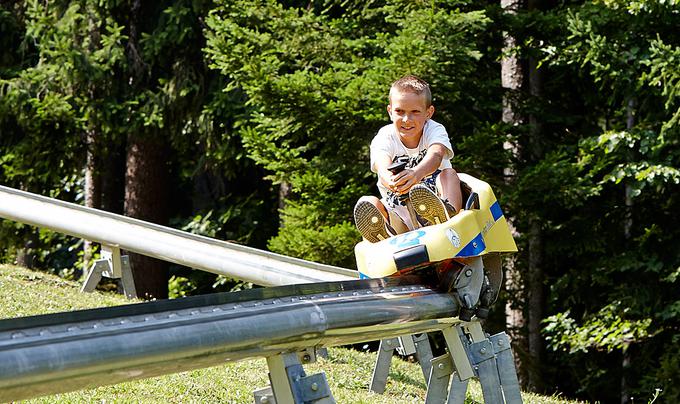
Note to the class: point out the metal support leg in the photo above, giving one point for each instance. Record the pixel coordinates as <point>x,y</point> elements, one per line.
<point>474,354</point>
<point>506,368</point>
<point>95,275</point>
<point>279,373</point>
<point>424,353</point>
<point>114,266</point>
<point>457,390</point>
<point>382,365</point>
<point>475,330</point>
<point>457,350</point>
<point>484,361</point>
<point>457,345</point>
<point>417,344</point>
<point>126,278</point>
<point>502,360</point>
<point>440,376</point>
<point>290,384</point>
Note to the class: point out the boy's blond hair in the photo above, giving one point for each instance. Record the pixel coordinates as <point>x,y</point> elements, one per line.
<point>412,84</point>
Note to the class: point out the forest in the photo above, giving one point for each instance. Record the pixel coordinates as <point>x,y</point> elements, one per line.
<point>250,121</point>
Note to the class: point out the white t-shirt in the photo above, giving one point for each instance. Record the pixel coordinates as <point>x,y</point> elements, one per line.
<point>387,142</point>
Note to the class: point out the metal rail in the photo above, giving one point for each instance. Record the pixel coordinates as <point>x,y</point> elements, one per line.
<point>62,352</point>
<point>219,257</point>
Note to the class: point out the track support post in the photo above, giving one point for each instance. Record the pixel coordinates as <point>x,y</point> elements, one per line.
<point>291,385</point>
<point>111,265</point>
<point>416,344</point>
<point>473,354</point>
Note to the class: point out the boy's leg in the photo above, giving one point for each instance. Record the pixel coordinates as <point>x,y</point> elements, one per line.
<point>399,217</point>
<point>448,185</point>
<point>438,207</point>
<point>427,205</point>
<point>373,220</point>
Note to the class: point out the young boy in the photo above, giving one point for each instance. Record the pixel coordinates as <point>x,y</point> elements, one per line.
<point>428,176</point>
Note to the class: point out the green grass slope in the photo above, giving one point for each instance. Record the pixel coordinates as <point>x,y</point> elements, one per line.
<point>25,292</point>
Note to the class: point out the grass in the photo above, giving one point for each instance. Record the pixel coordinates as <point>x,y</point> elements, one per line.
<point>26,292</point>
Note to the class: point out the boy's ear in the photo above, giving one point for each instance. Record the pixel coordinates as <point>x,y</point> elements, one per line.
<point>430,111</point>
<point>389,110</point>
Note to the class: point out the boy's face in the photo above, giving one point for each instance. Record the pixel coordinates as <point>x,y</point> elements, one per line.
<point>409,112</point>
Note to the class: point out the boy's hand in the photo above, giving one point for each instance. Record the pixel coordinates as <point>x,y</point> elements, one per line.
<point>401,183</point>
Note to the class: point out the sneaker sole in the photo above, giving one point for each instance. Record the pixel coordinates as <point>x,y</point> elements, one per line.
<point>428,205</point>
<point>370,222</point>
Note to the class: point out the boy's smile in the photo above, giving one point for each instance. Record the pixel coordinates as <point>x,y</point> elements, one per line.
<point>409,113</point>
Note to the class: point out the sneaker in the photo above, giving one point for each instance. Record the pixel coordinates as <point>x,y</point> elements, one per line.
<point>428,205</point>
<point>371,223</point>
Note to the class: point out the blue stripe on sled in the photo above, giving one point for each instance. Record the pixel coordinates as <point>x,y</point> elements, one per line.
<point>474,247</point>
<point>496,211</point>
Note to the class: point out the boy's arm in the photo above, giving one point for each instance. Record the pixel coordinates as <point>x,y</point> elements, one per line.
<point>402,182</point>
<point>384,175</point>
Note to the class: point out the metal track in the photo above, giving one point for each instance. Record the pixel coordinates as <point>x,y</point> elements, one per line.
<point>62,352</point>
<point>233,260</point>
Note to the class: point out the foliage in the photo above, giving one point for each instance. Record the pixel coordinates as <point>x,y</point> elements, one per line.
<point>614,293</point>
<point>69,75</point>
<point>605,330</point>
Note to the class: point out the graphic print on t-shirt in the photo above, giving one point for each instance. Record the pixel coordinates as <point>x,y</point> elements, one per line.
<point>430,181</point>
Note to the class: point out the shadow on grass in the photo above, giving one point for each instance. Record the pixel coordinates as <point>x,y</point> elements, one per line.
<point>402,377</point>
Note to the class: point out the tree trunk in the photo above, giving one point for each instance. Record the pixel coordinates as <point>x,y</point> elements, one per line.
<point>512,77</point>
<point>24,256</point>
<point>534,288</point>
<point>146,174</point>
<point>92,185</point>
<point>113,178</point>
<point>284,193</point>
<point>146,198</point>
<point>626,360</point>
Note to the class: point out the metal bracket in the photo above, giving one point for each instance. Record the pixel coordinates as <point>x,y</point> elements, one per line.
<point>264,395</point>
<point>307,356</point>
<point>468,284</point>
<point>457,349</point>
<point>290,384</point>
<point>493,269</point>
<point>111,265</point>
<point>484,362</point>
<point>473,354</point>
<point>406,345</point>
<point>506,367</point>
<point>440,376</point>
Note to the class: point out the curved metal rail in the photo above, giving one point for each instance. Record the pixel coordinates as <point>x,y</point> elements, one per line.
<point>219,257</point>
<point>62,352</point>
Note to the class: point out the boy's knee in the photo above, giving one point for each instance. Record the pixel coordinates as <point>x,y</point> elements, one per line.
<point>375,202</point>
<point>372,199</point>
<point>450,174</point>
<point>448,178</point>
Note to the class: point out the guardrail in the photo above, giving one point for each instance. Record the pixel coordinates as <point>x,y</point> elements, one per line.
<point>204,253</point>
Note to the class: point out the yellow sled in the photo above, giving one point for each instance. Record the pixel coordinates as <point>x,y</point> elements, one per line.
<point>479,229</point>
<point>464,251</point>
